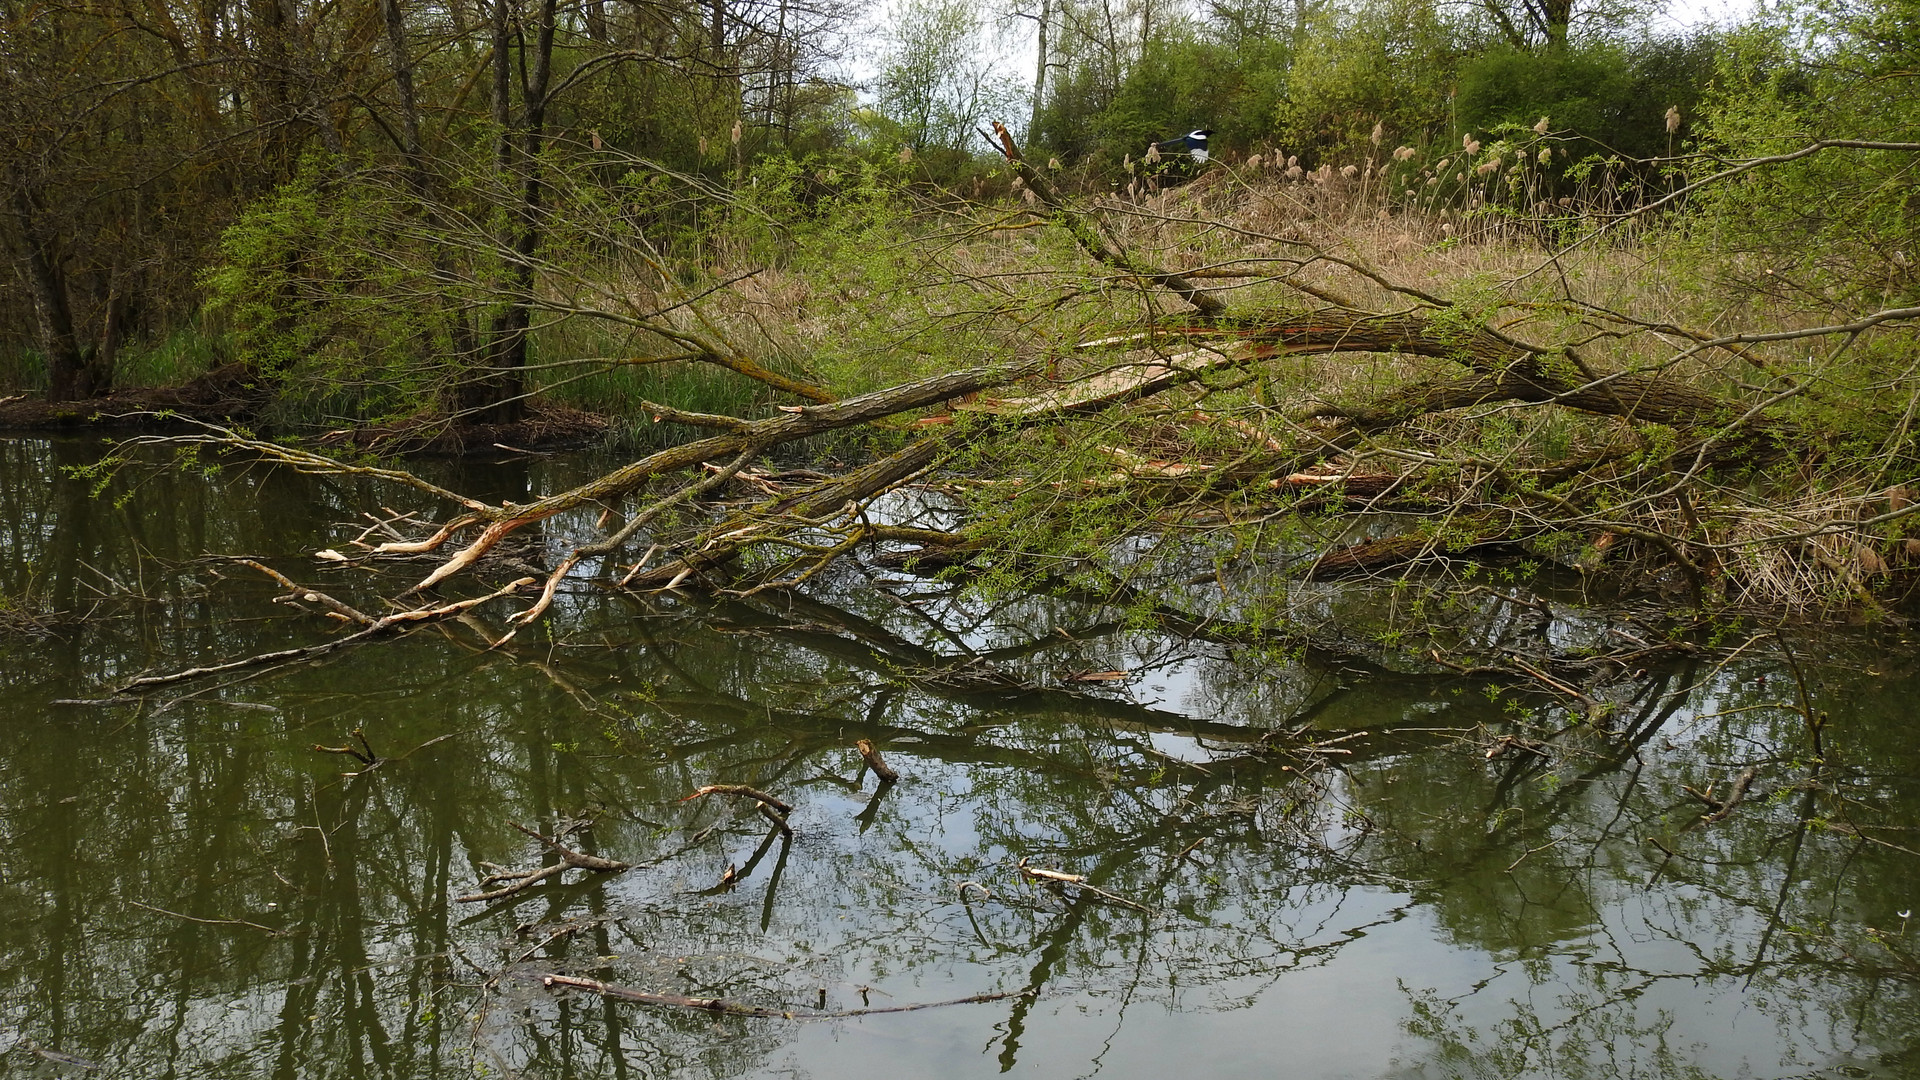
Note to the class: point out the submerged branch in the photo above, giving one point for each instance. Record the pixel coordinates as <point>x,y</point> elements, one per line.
<point>724,1007</point>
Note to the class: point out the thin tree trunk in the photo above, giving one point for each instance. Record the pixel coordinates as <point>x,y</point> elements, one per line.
<point>305,67</point>
<point>495,397</point>
<point>272,97</point>
<point>402,64</point>
<point>1040,73</point>
<point>459,333</point>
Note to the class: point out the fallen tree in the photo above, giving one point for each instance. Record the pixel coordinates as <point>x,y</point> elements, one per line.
<point>1489,425</point>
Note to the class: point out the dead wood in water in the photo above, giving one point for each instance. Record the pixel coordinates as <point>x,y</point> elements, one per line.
<point>363,753</point>
<point>373,628</point>
<point>1078,882</point>
<point>745,792</point>
<point>1454,434</point>
<point>875,762</point>
<point>514,882</point>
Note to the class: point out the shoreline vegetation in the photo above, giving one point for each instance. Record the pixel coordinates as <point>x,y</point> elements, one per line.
<point>1464,346</point>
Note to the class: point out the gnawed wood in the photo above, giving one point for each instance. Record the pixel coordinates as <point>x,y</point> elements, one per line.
<point>871,755</point>
<point>744,792</point>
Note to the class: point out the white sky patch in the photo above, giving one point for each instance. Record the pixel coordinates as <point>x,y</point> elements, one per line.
<point>1011,43</point>
<point>1703,14</point>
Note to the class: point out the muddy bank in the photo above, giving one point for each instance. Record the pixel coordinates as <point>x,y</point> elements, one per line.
<point>234,394</point>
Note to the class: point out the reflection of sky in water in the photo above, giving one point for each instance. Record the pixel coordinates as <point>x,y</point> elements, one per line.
<point>1303,923</point>
<point>1327,1021</point>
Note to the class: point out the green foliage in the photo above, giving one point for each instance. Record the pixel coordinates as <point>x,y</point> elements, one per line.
<point>1182,82</point>
<point>188,351</point>
<point>1612,97</point>
<point>323,290</point>
<point>1838,227</point>
<point>883,286</point>
<point>1386,62</point>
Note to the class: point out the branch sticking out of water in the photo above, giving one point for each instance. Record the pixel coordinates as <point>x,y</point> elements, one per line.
<point>363,753</point>
<point>744,792</point>
<point>522,880</point>
<point>382,625</point>
<point>1058,879</point>
<point>878,764</point>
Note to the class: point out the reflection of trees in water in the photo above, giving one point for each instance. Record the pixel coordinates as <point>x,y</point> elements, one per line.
<point>1260,855</point>
<point>1610,956</point>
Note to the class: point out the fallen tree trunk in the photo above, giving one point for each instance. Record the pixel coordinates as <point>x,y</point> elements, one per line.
<point>1660,432</point>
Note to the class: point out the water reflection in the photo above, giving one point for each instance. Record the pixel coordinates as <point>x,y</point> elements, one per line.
<point>191,889</point>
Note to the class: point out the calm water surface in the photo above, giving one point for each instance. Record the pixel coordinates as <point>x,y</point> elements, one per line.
<point>191,889</point>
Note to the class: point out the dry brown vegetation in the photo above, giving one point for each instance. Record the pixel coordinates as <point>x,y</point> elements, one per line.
<point>1250,370</point>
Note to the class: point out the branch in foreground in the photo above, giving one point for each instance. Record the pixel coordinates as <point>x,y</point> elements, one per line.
<point>144,683</point>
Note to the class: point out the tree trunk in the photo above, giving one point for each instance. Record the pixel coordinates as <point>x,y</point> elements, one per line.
<point>1040,73</point>
<point>71,376</point>
<point>496,395</point>
<point>459,331</point>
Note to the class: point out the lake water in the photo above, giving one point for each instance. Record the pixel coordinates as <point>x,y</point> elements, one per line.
<point>1297,866</point>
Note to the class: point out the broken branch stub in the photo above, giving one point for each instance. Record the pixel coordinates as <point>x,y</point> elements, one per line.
<point>875,762</point>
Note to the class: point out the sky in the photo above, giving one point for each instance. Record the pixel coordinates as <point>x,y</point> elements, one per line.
<point>1014,50</point>
<point>1690,14</point>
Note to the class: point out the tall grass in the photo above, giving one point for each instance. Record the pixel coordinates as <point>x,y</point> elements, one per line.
<point>184,354</point>
<point>175,357</point>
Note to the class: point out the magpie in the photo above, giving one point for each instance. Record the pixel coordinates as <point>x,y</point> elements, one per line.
<point>1193,144</point>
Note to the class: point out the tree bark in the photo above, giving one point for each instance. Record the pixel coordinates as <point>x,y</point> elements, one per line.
<point>495,395</point>
<point>74,372</point>
<point>1040,72</point>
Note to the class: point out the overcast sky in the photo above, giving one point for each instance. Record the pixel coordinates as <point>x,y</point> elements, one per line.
<point>1014,51</point>
<point>1687,14</point>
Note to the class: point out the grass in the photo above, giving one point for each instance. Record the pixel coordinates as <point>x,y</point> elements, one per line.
<point>877,292</point>
<point>174,358</point>
<point>178,357</point>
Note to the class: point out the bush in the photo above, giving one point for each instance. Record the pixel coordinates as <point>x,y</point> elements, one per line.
<point>1840,227</point>
<point>1614,97</point>
<point>1386,62</point>
<point>1188,83</point>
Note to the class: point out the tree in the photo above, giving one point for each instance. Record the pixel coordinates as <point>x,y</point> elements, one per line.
<point>138,133</point>
<point>446,301</point>
<point>119,154</point>
<point>1615,95</point>
<point>1553,24</point>
<point>938,80</point>
<point>1385,62</point>
<point>1836,228</point>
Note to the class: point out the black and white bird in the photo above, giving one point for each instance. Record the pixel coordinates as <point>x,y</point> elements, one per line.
<point>1193,145</point>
